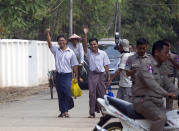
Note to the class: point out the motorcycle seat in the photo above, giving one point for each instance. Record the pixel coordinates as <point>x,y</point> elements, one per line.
<point>124,107</point>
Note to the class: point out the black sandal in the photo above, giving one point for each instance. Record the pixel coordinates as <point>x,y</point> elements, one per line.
<point>61,115</point>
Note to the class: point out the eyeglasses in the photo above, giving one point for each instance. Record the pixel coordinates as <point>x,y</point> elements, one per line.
<point>61,40</point>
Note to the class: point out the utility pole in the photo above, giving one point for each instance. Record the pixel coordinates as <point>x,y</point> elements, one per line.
<point>117,20</point>
<point>116,14</point>
<point>119,24</point>
<point>71,18</point>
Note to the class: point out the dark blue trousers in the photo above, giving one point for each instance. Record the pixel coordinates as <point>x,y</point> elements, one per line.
<point>63,85</point>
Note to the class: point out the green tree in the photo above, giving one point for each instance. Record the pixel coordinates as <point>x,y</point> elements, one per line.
<point>16,15</point>
<point>152,19</point>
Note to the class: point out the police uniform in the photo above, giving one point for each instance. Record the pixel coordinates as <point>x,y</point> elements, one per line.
<point>135,62</point>
<point>148,91</point>
<point>171,72</point>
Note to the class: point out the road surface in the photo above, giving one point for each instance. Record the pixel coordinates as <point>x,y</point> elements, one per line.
<point>39,113</point>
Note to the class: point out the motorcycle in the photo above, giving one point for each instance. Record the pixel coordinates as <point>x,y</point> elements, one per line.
<point>129,119</point>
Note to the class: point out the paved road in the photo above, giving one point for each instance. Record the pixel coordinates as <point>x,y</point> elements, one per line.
<point>39,113</point>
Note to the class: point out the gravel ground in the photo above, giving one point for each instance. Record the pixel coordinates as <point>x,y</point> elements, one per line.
<point>11,94</point>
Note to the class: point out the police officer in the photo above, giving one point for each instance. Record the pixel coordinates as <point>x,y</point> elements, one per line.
<point>149,87</point>
<point>138,58</point>
<point>171,72</point>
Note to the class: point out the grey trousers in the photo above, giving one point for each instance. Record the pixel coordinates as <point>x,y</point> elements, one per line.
<point>97,89</point>
<point>124,93</point>
<point>152,108</point>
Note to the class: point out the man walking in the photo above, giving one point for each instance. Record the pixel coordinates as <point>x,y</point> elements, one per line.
<point>66,63</point>
<point>75,45</point>
<point>98,64</point>
<point>125,83</point>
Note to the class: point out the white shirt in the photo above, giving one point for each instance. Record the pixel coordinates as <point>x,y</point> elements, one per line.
<point>97,61</point>
<point>64,60</point>
<point>78,50</point>
<point>125,81</point>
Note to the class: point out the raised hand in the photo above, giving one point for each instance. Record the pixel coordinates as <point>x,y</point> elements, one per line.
<point>48,37</point>
<point>85,30</point>
<point>47,30</point>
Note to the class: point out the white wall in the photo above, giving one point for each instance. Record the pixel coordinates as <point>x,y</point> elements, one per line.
<point>24,63</point>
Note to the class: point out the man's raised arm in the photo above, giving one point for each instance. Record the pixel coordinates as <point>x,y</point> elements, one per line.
<point>47,32</point>
<point>85,30</point>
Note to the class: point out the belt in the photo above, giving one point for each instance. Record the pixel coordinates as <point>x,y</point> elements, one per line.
<point>148,96</point>
<point>170,75</point>
<point>62,73</point>
<point>97,72</point>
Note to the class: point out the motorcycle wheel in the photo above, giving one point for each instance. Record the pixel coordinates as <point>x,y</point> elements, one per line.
<point>114,126</point>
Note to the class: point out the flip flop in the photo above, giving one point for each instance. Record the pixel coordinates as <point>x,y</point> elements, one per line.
<point>91,116</point>
<point>66,115</point>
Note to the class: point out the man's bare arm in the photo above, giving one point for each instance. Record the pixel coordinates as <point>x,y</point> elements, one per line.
<point>107,72</point>
<point>114,76</point>
<point>47,32</point>
<point>85,30</point>
<point>75,71</point>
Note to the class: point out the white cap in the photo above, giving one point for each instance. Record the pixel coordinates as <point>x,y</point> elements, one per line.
<point>125,44</point>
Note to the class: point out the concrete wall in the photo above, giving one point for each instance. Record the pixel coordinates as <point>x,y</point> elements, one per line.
<point>24,63</point>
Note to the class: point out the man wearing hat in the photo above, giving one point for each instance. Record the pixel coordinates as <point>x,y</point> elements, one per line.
<point>125,82</point>
<point>76,46</point>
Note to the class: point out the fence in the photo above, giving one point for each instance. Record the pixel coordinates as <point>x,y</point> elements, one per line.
<point>24,63</point>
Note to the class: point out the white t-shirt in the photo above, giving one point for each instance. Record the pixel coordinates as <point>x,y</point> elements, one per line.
<point>125,81</point>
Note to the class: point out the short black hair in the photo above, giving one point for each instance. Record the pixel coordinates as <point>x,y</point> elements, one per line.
<point>131,45</point>
<point>167,41</point>
<point>93,39</point>
<point>141,41</point>
<point>158,45</point>
<point>59,36</point>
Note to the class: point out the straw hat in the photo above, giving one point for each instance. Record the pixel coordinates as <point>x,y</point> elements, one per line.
<point>74,36</point>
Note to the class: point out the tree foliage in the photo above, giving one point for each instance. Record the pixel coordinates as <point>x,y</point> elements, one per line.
<point>152,19</point>
<point>17,15</point>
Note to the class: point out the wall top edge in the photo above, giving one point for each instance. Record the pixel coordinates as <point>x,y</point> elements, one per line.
<point>23,40</point>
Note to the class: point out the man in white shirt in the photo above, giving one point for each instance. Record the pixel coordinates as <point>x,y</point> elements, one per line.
<point>66,63</point>
<point>98,64</point>
<point>77,47</point>
<point>125,82</point>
